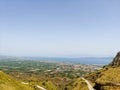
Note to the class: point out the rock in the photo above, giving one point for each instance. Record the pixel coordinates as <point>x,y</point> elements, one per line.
<point>116,61</point>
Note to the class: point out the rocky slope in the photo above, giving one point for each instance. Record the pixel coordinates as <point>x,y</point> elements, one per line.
<point>107,78</point>
<point>116,61</point>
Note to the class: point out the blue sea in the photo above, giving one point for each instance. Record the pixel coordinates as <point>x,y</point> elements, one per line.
<point>83,60</point>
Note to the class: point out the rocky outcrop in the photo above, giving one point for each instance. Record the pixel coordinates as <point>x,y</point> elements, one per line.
<point>116,61</point>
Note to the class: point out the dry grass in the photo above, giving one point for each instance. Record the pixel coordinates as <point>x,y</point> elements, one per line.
<point>8,83</point>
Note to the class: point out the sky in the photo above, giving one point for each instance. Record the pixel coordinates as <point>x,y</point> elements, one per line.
<point>59,28</point>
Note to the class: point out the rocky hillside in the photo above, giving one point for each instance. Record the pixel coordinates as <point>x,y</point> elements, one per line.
<point>107,78</point>
<point>116,61</point>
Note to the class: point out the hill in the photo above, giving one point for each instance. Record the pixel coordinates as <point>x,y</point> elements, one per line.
<point>8,83</point>
<point>107,78</point>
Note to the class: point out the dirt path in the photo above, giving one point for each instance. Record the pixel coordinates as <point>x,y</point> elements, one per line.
<point>36,86</point>
<point>40,87</point>
<point>88,84</point>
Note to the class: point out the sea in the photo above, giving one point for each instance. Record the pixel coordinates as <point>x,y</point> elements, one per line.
<point>82,60</point>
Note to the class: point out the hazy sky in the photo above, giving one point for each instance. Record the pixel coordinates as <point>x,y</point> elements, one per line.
<point>69,28</point>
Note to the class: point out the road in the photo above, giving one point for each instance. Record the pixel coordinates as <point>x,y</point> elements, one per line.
<point>88,84</point>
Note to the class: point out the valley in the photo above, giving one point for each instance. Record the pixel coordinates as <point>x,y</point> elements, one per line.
<point>49,75</point>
